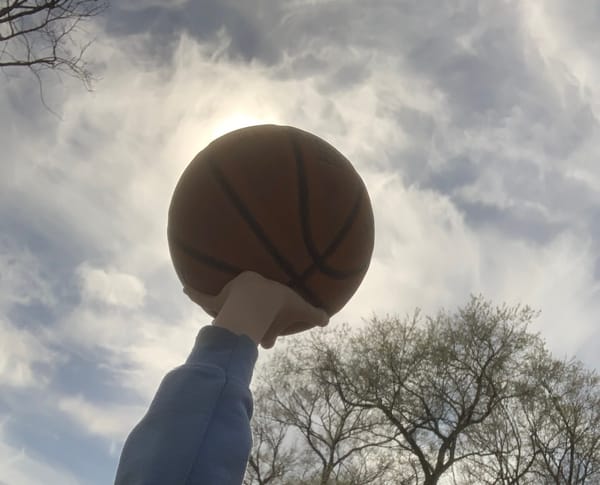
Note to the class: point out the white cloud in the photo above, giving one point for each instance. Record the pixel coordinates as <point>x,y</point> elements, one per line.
<point>21,278</point>
<point>501,85</point>
<point>112,422</point>
<point>426,256</point>
<point>557,279</point>
<point>111,286</point>
<point>137,348</point>
<point>25,358</point>
<point>568,36</point>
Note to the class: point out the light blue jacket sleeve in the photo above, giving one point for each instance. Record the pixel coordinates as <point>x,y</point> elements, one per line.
<point>197,429</point>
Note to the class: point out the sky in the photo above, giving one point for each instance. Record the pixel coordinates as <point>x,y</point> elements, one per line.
<point>474,125</point>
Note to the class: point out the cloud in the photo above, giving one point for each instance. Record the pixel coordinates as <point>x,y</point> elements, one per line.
<point>428,256</point>
<point>134,350</point>
<point>111,287</point>
<point>558,280</point>
<point>111,422</point>
<point>25,359</point>
<point>425,256</point>
<point>22,280</point>
<point>201,20</point>
<point>402,102</point>
<point>474,125</point>
<point>19,467</point>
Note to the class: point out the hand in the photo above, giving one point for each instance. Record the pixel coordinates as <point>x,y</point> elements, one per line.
<point>262,309</point>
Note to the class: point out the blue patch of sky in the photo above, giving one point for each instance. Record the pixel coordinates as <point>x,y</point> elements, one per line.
<point>56,441</point>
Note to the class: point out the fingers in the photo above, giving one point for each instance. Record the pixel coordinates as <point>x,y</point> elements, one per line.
<point>296,328</point>
<point>302,312</point>
<point>288,329</point>
<point>288,313</point>
<point>324,318</point>
<point>199,298</point>
<point>211,304</point>
<point>268,344</point>
<point>297,316</point>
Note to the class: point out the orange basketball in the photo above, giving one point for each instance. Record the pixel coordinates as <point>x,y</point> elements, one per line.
<point>276,200</point>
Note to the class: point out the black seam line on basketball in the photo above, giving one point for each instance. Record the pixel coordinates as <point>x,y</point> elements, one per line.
<point>318,259</point>
<point>234,270</point>
<point>337,241</point>
<point>260,233</point>
<point>206,259</point>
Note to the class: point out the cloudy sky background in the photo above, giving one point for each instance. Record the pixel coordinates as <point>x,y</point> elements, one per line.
<point>475,125</point>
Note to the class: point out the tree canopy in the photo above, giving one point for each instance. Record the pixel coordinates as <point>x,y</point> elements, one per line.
<point>472,396</point>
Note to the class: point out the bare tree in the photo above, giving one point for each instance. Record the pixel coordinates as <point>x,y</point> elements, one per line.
<point>504,451</point>
<point>437,380</point>
<point>472,394</point>
<point>335,442</point>
<point>43,34</point>
<point>564,421</point>
<point>273,457</point>
<point>548,433</point>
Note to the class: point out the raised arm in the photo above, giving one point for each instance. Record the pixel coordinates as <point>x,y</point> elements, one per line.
<point>197,429</point>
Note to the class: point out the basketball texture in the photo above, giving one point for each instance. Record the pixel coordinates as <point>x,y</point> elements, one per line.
<point>276,200</point>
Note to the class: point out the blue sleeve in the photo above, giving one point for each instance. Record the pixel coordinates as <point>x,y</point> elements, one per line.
<point>197,429</point>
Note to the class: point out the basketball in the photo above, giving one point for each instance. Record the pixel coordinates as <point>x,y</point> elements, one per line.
<point>276,200</point>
